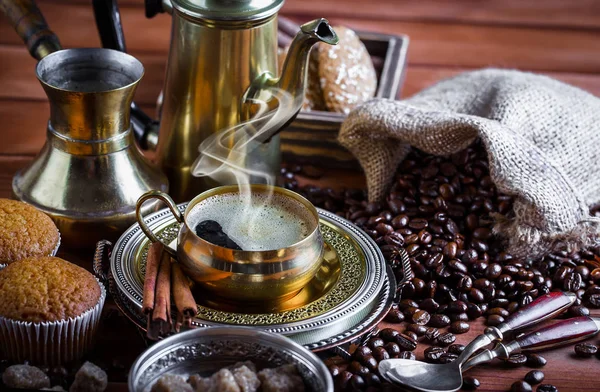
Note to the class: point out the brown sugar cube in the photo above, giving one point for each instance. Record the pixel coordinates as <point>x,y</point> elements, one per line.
<point>282,379</point>
<point>172,383</point>
<point>25,377</point>
<point>89,378</point>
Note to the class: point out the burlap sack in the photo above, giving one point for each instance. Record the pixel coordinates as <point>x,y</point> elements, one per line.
<point>542,139</point>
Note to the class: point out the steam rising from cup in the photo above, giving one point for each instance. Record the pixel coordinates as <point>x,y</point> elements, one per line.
<point>226,156</point>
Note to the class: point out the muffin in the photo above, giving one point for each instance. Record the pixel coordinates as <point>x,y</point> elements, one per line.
<point>49,310</point>
<point>25,232</point>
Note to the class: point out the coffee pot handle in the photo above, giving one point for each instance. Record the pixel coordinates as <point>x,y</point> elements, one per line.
<point>108,22</point>
<point>27,20</point>
<point>172,206</point>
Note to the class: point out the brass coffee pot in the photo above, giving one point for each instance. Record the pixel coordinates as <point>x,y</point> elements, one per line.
<point>89,174</point>
<point>222,52</point>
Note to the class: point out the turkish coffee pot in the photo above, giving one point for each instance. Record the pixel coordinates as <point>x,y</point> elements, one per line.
<point>89,174</point>
<point>223,54</point>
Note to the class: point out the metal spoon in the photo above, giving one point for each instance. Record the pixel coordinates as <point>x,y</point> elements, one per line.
<point>446,379</point>
<point>543,308</point>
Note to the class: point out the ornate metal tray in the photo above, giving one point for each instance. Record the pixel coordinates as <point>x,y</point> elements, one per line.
<point>349,296</point>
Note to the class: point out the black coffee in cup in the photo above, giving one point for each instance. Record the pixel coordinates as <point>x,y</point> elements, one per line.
<point>253,222</point>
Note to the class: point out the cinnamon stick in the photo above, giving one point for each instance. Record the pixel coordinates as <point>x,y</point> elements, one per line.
<point>161,316</point>
<point>184,300</point>
<point>152,263</point>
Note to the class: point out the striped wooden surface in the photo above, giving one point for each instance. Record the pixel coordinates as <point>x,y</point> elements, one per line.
<point>559,38</point>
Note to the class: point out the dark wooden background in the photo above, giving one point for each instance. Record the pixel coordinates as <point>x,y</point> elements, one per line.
<point>560,38</point>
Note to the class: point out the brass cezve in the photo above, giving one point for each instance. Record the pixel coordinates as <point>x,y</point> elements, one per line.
<point>239,275</point>
<point>89,173</point>
<point>222,53</point>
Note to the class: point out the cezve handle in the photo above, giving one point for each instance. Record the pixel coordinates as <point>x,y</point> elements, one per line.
<point>28,22</point>
<point>551,336</point>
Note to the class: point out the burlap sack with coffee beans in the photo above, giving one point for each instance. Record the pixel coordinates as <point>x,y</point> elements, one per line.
<point>542,139</point>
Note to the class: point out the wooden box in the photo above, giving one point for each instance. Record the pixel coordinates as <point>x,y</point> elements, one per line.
<point>312,137</point>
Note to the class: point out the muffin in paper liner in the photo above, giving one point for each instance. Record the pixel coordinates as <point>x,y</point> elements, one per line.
<point>50,343</point>
<point>52,254</point>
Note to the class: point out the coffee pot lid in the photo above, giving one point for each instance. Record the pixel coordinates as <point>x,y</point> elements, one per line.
<point>228,10</point>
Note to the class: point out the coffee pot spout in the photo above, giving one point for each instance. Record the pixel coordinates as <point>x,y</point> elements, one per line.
<point>284,95</point>
<point>295,67</point>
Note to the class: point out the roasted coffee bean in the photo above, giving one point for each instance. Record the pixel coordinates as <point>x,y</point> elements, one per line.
<point>416,328</point>
<point>418,224</point>
<point>457,307</point>
<point>393,349</point>
<point>546,388</point>
<point>577,311</point>
<point>394,238</point>
<point>439,321</point>
<point>515,360</point>
<point>361,353</point>
<point>357,382</point>
<point>447,358</point>
<point>430,305</point>
<point>456,348</point>
<point>536,360</point>
<point>433,353</point>
<point>388,334</point>
<point>370,362</point>
<point>406,343</point>
<point>470,383</point>
<point>594,300</point>
<point>476,296</point>
<point>407,355</point>
<point>459,317</point>
<point>372,380</point>
<point>473,311</point>
<point>373,343</point>
<point>394,316</point>
<point>358,368</point>
<point>343,380</point>
<point>334,370</point>
<point>434,261</point>
<point>421,317</point>
<point>432,334</point>
<point>499,311</point>
<point>534,377</point>
<point>520,386</point>
<point>449,251</point>
<point>400,221</point>
<point>446,339</point>
<point>585,350</point>
<point>408,303</point>
<point>411,334</point>
<point>457,266</point>
<point>459,327</point>
<point>380,353</point>
<point>494,320</point>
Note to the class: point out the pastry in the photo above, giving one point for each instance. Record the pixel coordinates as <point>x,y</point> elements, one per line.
<point>25,232</point>
<point>346,72</point>
<point>43,302</point>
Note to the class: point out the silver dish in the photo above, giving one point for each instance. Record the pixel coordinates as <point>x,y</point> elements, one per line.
<point>207,350</point>
<point>361,301</point>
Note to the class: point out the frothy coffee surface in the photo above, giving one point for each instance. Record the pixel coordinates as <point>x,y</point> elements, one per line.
<point>268,223</point>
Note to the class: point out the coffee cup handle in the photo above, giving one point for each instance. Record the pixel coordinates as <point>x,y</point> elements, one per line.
<point>172,206</point>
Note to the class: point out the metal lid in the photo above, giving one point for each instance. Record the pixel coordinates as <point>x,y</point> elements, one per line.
<point>228,10</point>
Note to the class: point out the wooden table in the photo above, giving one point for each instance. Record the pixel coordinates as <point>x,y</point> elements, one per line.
<point>554,37</point>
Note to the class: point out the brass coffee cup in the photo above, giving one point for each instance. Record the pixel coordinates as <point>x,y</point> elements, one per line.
<point>242,275</point>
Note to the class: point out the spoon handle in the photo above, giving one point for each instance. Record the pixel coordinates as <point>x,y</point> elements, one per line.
<point>555,335</point>
<point>543,308</point>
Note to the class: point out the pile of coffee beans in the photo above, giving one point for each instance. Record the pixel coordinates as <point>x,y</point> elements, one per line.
<point>441,210</point>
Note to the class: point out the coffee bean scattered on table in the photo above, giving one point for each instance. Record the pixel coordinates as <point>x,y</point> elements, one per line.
<point>536,360</point>
<point>534,377</point>
<point>585,350</point>
<point>520,386</point>
<point>515,360</point>
<point>546,388</point>
<point>470,383</point>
